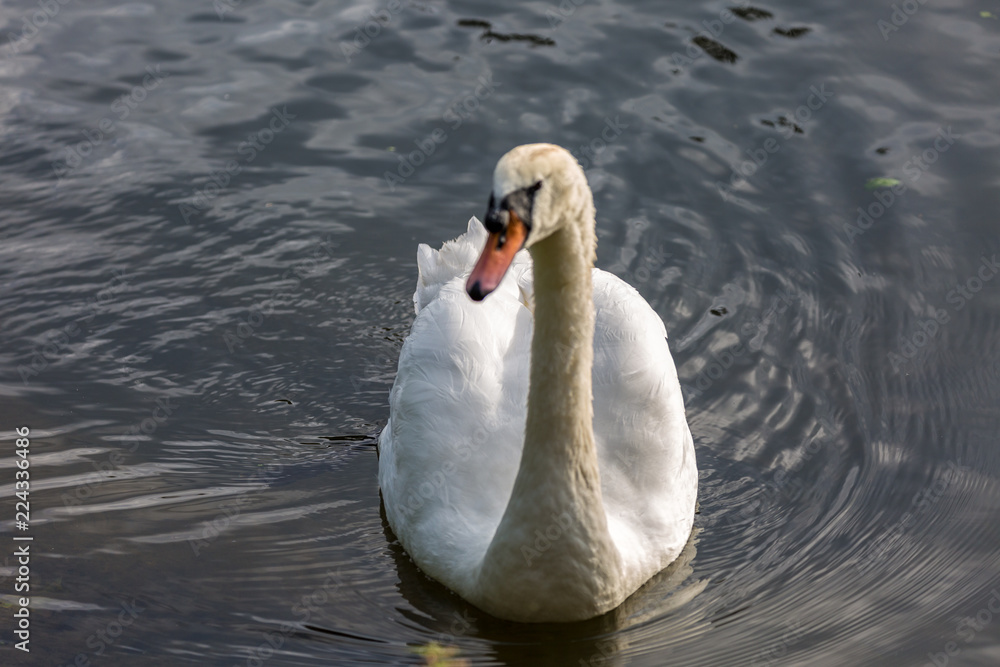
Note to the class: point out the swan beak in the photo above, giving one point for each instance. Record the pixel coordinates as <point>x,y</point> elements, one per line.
<point>496,258</point>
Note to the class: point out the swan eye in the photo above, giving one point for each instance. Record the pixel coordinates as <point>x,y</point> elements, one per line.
<point>520,202</point>
<point>496,218</point>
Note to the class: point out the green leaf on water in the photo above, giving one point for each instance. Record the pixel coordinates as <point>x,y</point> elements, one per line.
<point>436,655</point>
<point>876,183</point>
<point>988,15</point>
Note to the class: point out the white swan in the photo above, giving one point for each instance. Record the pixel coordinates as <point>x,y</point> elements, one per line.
<point>536,460</point>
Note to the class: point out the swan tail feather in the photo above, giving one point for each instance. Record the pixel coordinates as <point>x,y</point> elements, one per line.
<point>455,258</point>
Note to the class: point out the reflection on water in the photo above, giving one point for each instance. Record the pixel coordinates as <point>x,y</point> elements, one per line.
<point>601,641</point>
<point>210,216</point>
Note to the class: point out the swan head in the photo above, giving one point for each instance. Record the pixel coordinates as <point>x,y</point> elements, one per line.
<point>537,189</point>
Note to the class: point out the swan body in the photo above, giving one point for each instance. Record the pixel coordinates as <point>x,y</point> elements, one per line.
<point>536,460</point>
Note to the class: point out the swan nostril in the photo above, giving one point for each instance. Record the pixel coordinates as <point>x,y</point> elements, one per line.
<point>476,292</point>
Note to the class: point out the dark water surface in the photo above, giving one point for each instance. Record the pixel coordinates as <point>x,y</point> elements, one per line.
<point>207,278</point>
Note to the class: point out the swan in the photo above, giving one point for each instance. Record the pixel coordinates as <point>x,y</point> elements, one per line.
<point>536,459</point>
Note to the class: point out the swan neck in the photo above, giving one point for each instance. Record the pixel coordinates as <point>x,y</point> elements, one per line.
<point>552,556</point>
<point>560,403</point>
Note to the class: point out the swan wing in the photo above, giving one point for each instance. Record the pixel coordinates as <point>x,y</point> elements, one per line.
<point>450,451</point>
<point>646,455</point>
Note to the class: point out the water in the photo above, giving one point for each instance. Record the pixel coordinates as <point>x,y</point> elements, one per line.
<point>207,282</point>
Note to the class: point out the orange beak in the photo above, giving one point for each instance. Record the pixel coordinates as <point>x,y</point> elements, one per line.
<point>496,258</point>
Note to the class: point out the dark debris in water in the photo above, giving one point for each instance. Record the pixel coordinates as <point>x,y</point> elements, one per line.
<point>715,50</point>
<point>791,33</point>
<point>719,312</point>
<point>882,150</point>
<point>489,34</point>
<point>341,633</point>
<point>783,122</point>
<point>534,40</point>
<point>347,437</point>
<point>474,23</point>
<point>752,13</point>
<point>209,17</point>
